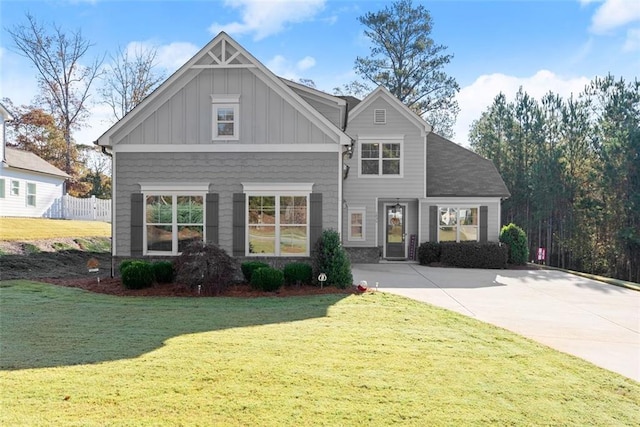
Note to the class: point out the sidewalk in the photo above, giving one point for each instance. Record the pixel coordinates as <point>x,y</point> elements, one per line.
<point>589,319</point>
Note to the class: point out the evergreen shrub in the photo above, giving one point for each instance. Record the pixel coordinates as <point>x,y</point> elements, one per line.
<point>429,252</point>
<point>163,271</point>
<point>474,254</point>
<point>137,275</point>
<point>249,267</point>
<point>516,239</point>
<point>267,279</point>
<point>297,273</point>
<point>331,259</point>
<point>124,264</point>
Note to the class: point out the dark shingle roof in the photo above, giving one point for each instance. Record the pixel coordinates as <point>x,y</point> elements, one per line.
<point>28,161</point>
<point>454,171</point>
<point>352,101</point>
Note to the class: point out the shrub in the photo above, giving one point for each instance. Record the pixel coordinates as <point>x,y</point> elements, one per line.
<point>429,252</point>
<point>516,240</point>
<point>163,271</point>
<point>331,258</point>
<point>124,264</point>
<point>474,254</point>
<point>249,267</point>
<point>137,275</point>
<point>297,273</point>
<point>267,279</point>
<point>206,267</point>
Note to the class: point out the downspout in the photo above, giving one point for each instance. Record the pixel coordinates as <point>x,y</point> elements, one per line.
<point>113,182</point>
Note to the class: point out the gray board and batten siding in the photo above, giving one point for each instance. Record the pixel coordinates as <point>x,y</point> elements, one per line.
<point>225,172</point>
<point>182,114</point>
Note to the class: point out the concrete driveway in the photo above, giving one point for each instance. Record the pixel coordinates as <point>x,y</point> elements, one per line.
<point>589,319</point>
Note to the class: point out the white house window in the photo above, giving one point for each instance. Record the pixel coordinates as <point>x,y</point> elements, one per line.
<point>278,219</point>
<point>381,158</point>
<point>356,224</point>
<point>2,189</point>
<point>226,117</point>
<point>31,194</point>
<point>172,221</point>
<point>458,224</point>
<point>15,188</point>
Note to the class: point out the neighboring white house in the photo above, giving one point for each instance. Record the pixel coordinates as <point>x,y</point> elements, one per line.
<point>29,186</point>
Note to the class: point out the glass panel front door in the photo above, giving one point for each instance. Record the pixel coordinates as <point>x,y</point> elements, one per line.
<point>395,231</point>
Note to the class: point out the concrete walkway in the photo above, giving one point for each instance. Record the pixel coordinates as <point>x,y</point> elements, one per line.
<point>589,319</point>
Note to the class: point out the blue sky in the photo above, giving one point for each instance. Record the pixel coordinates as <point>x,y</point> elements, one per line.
<point>500,45</point>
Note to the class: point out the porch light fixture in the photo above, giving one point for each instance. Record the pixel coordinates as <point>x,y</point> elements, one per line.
<point>397,207</point>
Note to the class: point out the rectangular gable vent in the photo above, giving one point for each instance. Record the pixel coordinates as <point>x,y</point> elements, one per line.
<point>380,117</point>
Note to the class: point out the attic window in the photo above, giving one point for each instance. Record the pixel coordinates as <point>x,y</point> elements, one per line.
<point>226,120</point>
<point>380,116</point>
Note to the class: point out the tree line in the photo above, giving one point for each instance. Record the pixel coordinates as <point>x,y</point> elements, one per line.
<point>573,169</point>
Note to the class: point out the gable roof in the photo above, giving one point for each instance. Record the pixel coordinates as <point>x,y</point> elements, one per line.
<point>224,52</point>
<point>454,171</point>
<point>383,92</point>
<point>6,115</point>
<point>26,160</point>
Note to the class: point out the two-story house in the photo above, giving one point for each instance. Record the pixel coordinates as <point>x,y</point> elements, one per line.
<point>226,151</point>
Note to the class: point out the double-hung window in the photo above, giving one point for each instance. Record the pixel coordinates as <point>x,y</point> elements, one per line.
<point>356,224</point>
<point>2,184</point>
<point>458,224</point>
<point>173,220</point>
<point>277,219</point>
<point>381,157</point>
<point>15,188</point>
<point>226,117</point>
<point>31,194</point>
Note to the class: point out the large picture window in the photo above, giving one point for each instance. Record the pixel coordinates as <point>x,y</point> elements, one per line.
<point>278,219</point>
<point>381,158</point>
<point>172,221</point>
<point>458,224</point>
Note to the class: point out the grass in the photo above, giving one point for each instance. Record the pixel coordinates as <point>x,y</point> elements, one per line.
<point>25,229</point>
<point>74,358</point>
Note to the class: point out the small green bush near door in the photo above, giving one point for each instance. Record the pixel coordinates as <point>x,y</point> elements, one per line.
<point>297,273</point>
<point>267,279</point>
<point>137,275</point>
<point>516,240</point>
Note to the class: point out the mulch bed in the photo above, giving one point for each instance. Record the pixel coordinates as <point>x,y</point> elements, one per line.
<point>113,286</point>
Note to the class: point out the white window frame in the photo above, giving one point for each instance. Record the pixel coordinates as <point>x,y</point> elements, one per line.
<point>363,212</point>
<point>2,188</point>
<point>458,207</point>
<point>225,101</point>
<point>381,140</point>
<point>15,187</point>
<point>29,194</point>
<point>194,189</point>
<point>277,190</point>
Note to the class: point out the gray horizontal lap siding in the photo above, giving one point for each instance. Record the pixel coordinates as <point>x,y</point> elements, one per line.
<point>184,115</point>
<point>224,172</point>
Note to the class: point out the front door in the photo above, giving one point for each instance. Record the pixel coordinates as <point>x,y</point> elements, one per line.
<point>395,231</point>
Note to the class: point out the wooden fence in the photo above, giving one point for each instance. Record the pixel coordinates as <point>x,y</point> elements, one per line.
<point>91,209</point>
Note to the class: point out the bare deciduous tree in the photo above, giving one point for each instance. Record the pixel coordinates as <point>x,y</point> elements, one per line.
<point>129,78</point>
<point>64,82</point>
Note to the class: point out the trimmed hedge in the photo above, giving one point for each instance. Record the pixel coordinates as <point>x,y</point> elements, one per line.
<point>267,279</point>
<point>464,254</point>
<point>163,271</point>
<point>124,264</point>
<point>249,267</point>
<point>474,254</point>
<point>297,273</point>
<point>429,252</point>
<point>137,275</point>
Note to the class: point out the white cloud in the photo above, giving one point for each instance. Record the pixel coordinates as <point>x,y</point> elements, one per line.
<point>306,63</point>
<point>266,17</point>
<point>174,55</point>
<point>478,96</point>
<point>633,40</point>
<point>613,14</point>
<point>288,69</point>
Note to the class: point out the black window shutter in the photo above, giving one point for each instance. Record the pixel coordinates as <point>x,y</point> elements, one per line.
<point>483,223</point>
<point>211,221</point>
<point>137,223</point>
<point>239,224</point>
<point>433,223</point>
<point>315,218</point>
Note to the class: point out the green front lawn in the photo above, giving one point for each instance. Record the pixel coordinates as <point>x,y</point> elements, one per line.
<point>74,358</point>
<point>25,229</point>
